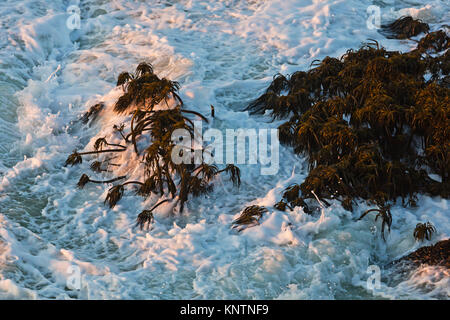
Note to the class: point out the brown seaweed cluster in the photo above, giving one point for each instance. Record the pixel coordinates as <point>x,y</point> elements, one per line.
<point>373,124</point>
<point>424,231</point>
<point>142,92</point>
<point>249,217</point>
<point>405,27</point>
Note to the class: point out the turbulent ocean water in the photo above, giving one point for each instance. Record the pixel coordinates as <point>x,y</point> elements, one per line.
<point>223,52</point>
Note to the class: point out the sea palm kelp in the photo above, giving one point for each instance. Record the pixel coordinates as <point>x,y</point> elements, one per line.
<point>101,142</point>
<point>249,217</point>
<point>74,158</point>
<point>370,123</point>
<point>405,27</point>
<point>386,218</point>
<point>424,231</point>
<point>114,195</point>
<point>156,112</point>
<point>146,216</point>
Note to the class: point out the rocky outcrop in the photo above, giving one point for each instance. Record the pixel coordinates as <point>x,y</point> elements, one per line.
<point>436,255</point>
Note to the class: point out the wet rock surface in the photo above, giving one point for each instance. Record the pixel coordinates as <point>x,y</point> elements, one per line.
<point>435,255</point>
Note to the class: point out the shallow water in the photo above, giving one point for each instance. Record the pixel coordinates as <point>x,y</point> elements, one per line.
<point>223,53</point>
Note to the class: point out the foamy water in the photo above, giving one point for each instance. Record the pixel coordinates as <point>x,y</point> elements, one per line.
<point>223,53</point>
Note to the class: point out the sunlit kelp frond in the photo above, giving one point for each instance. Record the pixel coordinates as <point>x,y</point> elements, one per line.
<point>152,93</point>
<point>324,78</point>
<point>407,64</point>
<point>424,231</point>
<point>76,157</point>
<point>102,166</point>
<point>269,100</point>
<point>119,128</point>
<point>143,88</point>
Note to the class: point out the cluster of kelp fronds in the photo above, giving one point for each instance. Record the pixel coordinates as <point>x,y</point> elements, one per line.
<point>143,91</point>
<point>249,217</point>
<point>373,124</point>
<point>405,27</point>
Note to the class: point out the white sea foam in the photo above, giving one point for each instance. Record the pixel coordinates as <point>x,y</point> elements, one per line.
<point>223,53</point>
